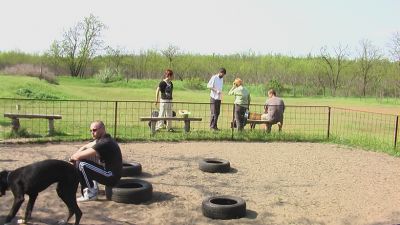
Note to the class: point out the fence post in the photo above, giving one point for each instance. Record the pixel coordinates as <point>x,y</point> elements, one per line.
<point>115,119</point>
<point>396,127</point>
<point>329,121</point>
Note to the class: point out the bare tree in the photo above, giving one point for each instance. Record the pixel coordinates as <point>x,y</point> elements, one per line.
<point>80,44</point>
<point>171,52</point>
<point>395,53</point>
<point>116,56</point>
<point>395,47</point>
<point>54,57</point>
<point>334,65</point>
<point>318,75</point>
<point>368,57</point>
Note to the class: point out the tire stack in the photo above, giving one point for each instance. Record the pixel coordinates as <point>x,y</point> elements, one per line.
<point>131,191</point>
<point>128,190</point>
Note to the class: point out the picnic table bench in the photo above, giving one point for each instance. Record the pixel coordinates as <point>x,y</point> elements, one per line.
<point>154,120</point>
<point>16,116</point>
<point>267,124</point>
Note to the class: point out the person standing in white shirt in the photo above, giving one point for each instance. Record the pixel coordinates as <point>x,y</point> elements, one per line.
<point>215,84</point>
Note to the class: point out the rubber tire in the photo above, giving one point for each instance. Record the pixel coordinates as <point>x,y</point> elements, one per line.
<point>224,207</point>
<point>131,169</point>
<point>108,191</point>
<point>131,191</point>
<point>213,165</point>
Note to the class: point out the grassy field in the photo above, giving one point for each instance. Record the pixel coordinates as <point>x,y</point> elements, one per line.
<point>368,123</point>
<point>92,89</point>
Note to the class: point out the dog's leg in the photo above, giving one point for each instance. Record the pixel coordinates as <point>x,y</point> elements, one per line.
<point>29,207</point>
<point>18,200</point>
<point>68,194</point>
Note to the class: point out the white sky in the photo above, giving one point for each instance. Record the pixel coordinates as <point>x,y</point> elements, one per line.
<point>290,27</point>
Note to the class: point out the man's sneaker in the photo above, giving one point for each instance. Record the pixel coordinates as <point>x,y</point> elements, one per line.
<point>89,194</point>
<point>171,130</point>
<point>95,187</point>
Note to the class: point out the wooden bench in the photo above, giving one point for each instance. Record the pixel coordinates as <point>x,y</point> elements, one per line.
<point>154,120</point>
<point>268,124</point>
<point>16,116</point>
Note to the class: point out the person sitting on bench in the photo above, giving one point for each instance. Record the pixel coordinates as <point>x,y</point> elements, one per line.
<point>273,110</point>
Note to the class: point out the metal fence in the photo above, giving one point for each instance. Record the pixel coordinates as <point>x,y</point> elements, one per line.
<point>122,119</point>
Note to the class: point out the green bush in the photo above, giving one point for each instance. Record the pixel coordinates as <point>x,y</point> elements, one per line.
<point>274,84</point>
<point>21,133</point>
<point>194,83</point>
<point>35,94</point>
<point>108,75</point>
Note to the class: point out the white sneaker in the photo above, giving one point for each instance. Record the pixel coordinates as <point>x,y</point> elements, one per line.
<point>89,194</point>
<point>95,187</point>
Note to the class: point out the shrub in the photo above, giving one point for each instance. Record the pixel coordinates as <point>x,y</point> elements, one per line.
<point>20,133</point>
<point>194,83</point>
<point>35,94</point>
<point>108,75</point>
<point>274,84</point>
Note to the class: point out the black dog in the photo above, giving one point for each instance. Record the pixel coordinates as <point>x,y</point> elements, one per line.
<point>36,177</point>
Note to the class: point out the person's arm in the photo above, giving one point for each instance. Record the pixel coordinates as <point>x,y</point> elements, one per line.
<point>79,155</point>
<point>88,145</point>
<point>157,95</point>
<point>248,106</point>
<point>232,91</point>
<point>210,85</point>
<point>266,108</point>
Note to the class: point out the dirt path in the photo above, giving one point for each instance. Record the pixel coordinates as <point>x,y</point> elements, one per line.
<point>282,183</point>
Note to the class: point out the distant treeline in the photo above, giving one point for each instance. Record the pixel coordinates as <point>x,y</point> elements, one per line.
<point>322,75</point>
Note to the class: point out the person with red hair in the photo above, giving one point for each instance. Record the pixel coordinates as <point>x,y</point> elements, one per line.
<point>165,87</point>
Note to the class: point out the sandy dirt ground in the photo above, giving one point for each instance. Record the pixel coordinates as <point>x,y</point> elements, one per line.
<point>282,183</point>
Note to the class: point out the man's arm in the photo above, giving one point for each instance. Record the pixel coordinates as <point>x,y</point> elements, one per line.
<point>210,85</point>
<point>88,145</point>
<point>79,155</point>
<point>157,95</point>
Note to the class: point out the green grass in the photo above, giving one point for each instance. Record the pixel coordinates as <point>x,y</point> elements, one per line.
<point>366,130</point>
<point>77,88</point>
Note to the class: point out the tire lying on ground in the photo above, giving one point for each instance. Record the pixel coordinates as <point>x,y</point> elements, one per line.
<point>224,207</point>
<point>133,191</point>
<point>130,169</point>
<point>213,165</point>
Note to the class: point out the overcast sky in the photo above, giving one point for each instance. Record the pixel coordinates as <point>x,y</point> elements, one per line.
<point>290,27</point>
